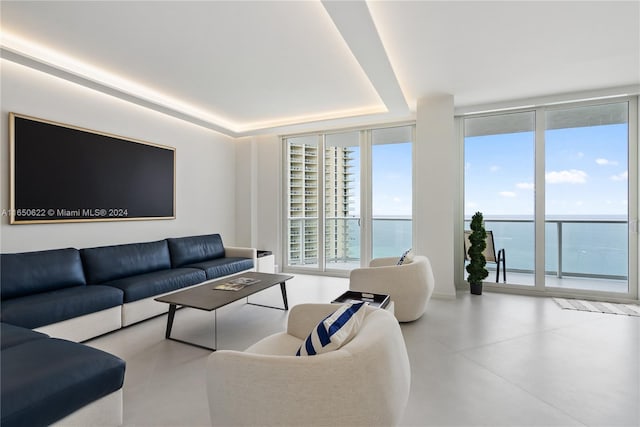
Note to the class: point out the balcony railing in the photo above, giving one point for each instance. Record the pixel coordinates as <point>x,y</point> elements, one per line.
<point>593,248</point>
<point>574,248</point>
<point>391,237</point>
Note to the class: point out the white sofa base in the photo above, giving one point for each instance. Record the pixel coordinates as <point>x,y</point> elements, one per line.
<point>85,327</point>
<point>137,311</point>
<point>107,411</point>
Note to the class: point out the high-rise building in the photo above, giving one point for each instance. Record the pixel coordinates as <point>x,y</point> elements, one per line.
<point>305,203</point>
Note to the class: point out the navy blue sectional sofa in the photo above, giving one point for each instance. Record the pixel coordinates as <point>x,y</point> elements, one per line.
<point>47,379</point>
<point>80,294</point>
<point>74,295</point>
<point>46,287</point>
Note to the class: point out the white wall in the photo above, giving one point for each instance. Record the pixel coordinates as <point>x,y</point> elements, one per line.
<point>269,196</point>
<point>246,178</point>
<point>205,164</point>
<point>258,186</point>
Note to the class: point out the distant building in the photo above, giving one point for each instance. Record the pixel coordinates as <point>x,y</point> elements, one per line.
<point>305,202</point>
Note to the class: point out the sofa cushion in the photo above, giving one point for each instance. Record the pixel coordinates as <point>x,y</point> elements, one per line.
<point>108,263</point>
<point>11,335</point>
<point>156,283</point>
<point>32,272</point>
<point>193,249</point>
<point>335,330</point>
<point>51,307</point>
<point>47,379</point>
<point>223,266</point>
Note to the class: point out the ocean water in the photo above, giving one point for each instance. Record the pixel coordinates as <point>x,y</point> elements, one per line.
<point>391,237</point>
<point>589,246</point>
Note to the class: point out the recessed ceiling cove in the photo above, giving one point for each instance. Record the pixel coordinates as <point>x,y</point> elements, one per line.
<point>245,65</point>
<point>253,67</point>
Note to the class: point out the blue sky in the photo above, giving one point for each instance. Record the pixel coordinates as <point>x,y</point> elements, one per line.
<point>391,180</point>
<point>585,172</point>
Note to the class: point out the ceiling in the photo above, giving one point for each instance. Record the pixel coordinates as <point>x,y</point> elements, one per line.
<point>244,67</point>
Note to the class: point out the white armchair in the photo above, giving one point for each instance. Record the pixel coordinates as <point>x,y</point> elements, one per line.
<point>408,285</point>
<point>365,382</point>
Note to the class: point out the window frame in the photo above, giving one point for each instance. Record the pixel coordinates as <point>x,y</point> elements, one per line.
<point>365,216</point>
<point>539,288</point>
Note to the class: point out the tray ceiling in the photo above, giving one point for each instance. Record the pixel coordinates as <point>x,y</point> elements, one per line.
<point>254,67</point>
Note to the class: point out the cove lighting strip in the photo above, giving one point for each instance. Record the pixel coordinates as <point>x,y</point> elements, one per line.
<point>51,58</point>
<point>47,59</point>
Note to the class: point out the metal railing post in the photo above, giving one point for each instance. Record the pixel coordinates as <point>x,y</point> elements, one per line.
<point>559,230</point>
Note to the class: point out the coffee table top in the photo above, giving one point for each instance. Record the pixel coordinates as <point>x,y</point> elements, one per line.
<point>206,297</point>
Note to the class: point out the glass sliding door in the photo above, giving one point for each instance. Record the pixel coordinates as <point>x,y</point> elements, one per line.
<point>499,170</point>
<point>586,197</point>
<point>342,201</point>
<point>348,198</point>
<point>558,188</point>
<point>302,223</point>
<point>391,191</point>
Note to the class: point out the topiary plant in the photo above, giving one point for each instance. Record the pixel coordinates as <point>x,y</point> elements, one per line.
<point>477,261</point>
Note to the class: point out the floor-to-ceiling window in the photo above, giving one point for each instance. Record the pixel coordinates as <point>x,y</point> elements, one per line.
<point>349,197</point>
<point>302,203</point>
<point>499,178</point>
<point>342,200</point>
<point>586,196</point>
<point>391,191</point>
<point>553,185</point>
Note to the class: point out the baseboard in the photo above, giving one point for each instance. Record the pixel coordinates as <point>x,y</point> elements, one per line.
<point>443,296</point>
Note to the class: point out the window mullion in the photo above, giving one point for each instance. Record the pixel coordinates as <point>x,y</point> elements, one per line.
<point>539,201</point>
<point>321,202</point>
<point>365,198</point>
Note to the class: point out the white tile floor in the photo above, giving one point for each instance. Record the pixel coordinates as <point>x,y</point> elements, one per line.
<point>491,360</point>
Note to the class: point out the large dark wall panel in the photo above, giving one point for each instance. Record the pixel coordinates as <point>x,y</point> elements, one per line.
<point>65,173</point>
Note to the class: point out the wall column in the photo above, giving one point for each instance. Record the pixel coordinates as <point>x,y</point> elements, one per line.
<point>258,193</point>
<point>435,188</point>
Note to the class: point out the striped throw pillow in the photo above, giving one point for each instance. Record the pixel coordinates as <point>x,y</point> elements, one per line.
<point>406,258</point>
<point>334,331</point>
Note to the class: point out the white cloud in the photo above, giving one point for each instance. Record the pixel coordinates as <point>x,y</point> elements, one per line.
<point>507,194</point>
<point>605,162</point>
<point>580,154</point>
<point>620,177</point>
<point>572,176</point>
<point>494,168</point>
<point>525,185</point>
